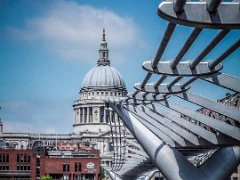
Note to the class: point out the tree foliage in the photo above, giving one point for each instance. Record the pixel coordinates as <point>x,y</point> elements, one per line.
<point>102,174</point>
<point>46,177</point>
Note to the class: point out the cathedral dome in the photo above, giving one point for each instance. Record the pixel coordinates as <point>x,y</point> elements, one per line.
<point>103,77</point>
<point>103,80</point>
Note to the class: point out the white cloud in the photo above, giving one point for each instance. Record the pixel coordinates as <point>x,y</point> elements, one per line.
<point>73,31</point>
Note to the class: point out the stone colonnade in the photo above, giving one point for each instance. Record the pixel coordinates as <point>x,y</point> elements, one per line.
<point>93,114</point>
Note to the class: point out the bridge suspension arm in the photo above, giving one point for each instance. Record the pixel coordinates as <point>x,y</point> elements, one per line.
<point>172,163</point>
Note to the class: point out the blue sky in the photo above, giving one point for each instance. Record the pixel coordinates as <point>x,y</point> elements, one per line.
<point>46,48</point>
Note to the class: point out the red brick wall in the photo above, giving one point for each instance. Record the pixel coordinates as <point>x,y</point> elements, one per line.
<point>53,165</point>
<point>13,157</point>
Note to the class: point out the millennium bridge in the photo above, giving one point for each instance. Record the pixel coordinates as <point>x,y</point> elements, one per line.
<point>168,135</point>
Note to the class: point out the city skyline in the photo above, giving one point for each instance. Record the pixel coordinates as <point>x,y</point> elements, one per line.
<point>48,47</point>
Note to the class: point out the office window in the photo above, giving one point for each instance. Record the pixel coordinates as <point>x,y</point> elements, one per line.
<point>4,157</point>
<point>77,176</point>
<point>7,158</point>
<point>20,157</point>
<point>78,166</point>
<point>23,158</point>
<point>4,167</point>
<point>37,161</point>
<point>66,167</point>
<point>38,172</point>
<point>66,177</point>
<point>29,158</point>
<point>23,167</point>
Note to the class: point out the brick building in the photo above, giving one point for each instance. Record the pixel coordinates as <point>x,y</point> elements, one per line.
<point>67,165</point>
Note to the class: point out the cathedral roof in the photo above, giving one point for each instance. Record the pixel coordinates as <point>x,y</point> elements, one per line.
<point>103,76</point>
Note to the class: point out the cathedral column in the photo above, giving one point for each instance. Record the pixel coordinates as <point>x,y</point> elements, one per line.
<point>88,115</point>
<point>110,116</point>
<point>115,117</point>
<point>74,116</point>
<point>99,114</point>
<point>104,117</point>
<point>82,115</point>
<point>78,116</point>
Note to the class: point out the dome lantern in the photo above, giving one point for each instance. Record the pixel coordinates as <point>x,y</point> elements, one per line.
<point>103,52</point>
<point>103,76</point>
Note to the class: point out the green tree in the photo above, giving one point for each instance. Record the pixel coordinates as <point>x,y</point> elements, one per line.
<point>46,177</point>
<point>102,174</point>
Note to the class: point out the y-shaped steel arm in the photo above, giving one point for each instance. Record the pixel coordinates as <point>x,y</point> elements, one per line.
<point>173,164</point>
